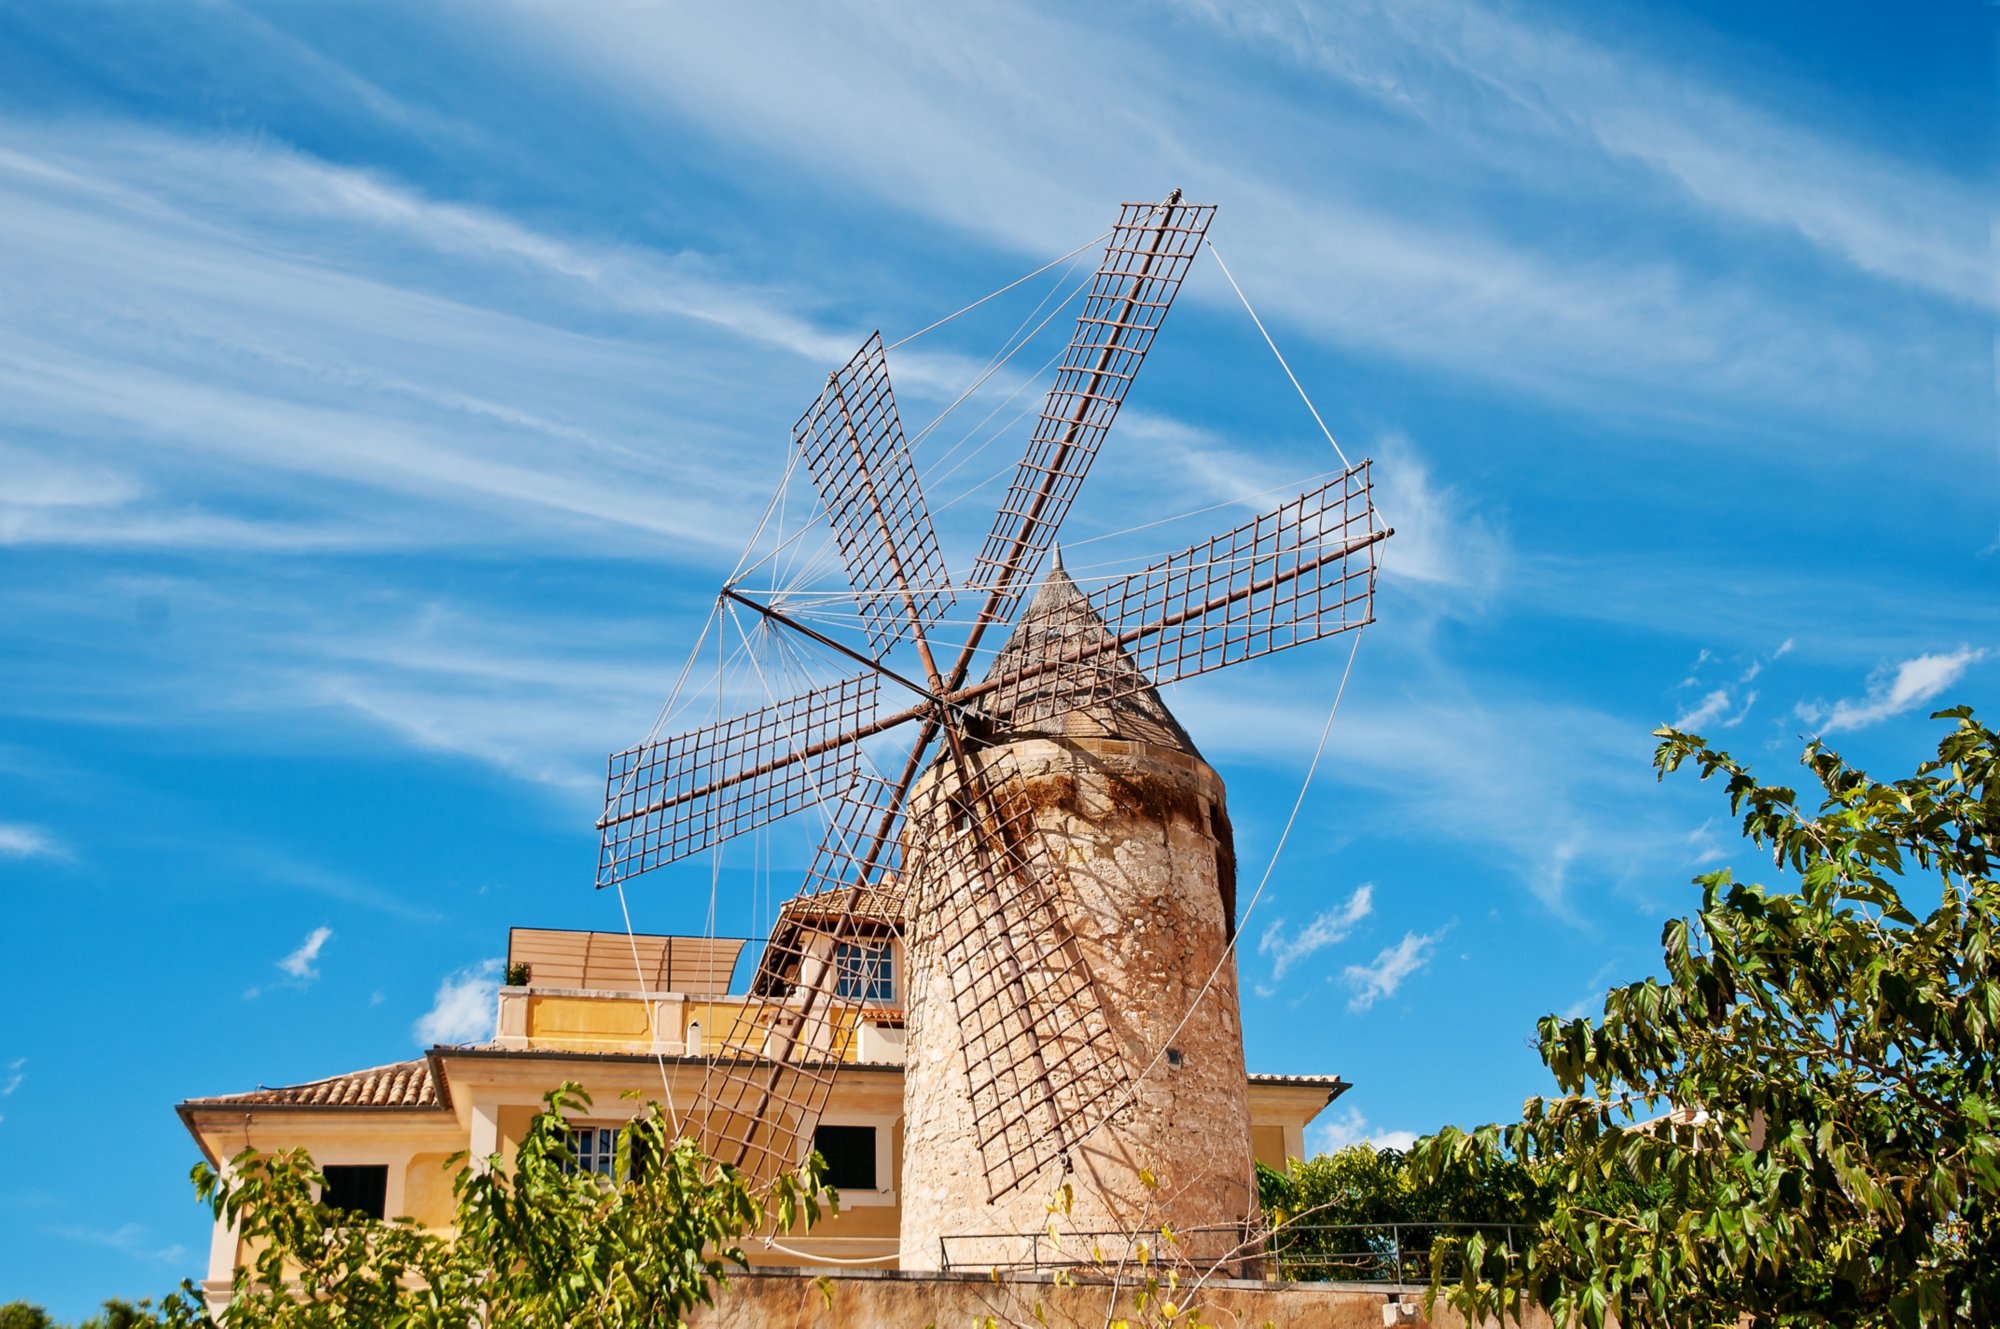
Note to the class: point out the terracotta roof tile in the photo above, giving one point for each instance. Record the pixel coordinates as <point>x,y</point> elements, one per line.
<point>1267,1077</point>
<point>401,1084</point>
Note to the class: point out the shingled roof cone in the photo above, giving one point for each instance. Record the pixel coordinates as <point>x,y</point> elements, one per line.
<point>1140,868</point>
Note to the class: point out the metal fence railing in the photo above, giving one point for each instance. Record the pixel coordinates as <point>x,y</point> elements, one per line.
<point>1372,1252</point>
<point>1300,1252</point>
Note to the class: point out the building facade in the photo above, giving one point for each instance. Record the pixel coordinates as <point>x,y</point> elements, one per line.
<point>587,1014</point>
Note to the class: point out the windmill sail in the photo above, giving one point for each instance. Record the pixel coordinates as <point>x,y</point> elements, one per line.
<point>774,1061</point>
<point>852,439</point>
<point>668,799</point>
<point>1038,1054</point>
<point>1301,572</point>
<point>1152,245</point>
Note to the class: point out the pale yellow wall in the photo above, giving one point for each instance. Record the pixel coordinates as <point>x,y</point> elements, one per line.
<point>508,1092</point>
<point>585,1020</point>
<point>1267,1146</point>
<point>601,1021</point>
<point>1279,1115</point>
<point>412,1145</point>
<point>427,1182</point>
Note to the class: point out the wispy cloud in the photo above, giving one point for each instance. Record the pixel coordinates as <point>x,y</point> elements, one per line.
<point>1510,89</point>
<point>1442,540</point>
<point>300,966</point>
<point>1328,929</point>
<point>20,840</point>
<point>884,101</point>
<point>131,1239</point>
<point>11,1080</point>
<point>1892,691</point>
<point>300,963</point>
<point>1710,707</point>
<point>1592,1001</point>
<point>1337,1130</point>
<point>1729,705</point>
<point>1545,788</point>
<point>182,319</point>
<point>464,1008</point>
<point>1384,976</point>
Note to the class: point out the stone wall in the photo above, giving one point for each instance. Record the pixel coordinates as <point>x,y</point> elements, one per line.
<point>912,1301</point>
<point>1139,838</point>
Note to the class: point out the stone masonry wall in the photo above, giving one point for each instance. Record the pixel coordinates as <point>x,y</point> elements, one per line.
<point>1141,836</point>
<point>902,1301</point>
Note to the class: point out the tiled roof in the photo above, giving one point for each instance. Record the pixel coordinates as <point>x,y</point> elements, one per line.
<point>402,1084</point>
<point>1329,1081</point>
<point>874,904</point>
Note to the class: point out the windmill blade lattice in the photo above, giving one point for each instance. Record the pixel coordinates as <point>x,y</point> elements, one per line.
<point>852,439</point>
<point>1301,572</point>
<point>1038,1054</point>
<point>668,799</point>
<point>1151,248</point>
<point>776,1056</point>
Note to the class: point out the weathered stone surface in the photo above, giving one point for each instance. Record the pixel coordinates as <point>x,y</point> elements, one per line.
<point>1138,836</point>
<point>864,1301</point>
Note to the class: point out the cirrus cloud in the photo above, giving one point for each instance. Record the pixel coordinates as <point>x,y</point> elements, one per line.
<point>1892,691</point>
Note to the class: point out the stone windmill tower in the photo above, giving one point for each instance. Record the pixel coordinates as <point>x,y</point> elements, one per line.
<point>1143,878</point>
<point>1060,850</point>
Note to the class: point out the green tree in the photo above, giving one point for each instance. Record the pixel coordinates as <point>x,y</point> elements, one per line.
<point>24,1315</point>
<point>542,1244</point>
<point>121,1314</point>
<point>118,1314</point>
<point>1362,1212</point>
<point>1827,1054</point>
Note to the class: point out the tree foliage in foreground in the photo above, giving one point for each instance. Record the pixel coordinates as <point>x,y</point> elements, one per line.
<point>541,1246</point>
<point>1829,1054</point>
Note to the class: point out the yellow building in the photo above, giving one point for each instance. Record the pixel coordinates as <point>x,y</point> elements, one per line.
<point>587,1013</point>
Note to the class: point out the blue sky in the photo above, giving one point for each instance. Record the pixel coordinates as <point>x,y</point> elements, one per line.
<point>385,390</point>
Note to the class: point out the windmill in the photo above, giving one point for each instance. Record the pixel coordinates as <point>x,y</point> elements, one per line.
<point>947,832</point>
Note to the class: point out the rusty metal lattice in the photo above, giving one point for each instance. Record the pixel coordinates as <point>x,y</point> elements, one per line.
<point>776,1058</point>
<point>1151,248</point>
<point>1040,1059</point>
<point>678,796</point>
<point>852,438</point>
<point>1303,571</point>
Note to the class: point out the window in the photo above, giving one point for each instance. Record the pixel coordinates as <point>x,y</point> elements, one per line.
<point>849,1152</point>
<point>594,1149</point>
<point>864,972</point>
<point>360,1188</point>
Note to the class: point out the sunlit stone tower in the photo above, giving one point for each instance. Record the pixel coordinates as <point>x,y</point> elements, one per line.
<point>1143,873</point>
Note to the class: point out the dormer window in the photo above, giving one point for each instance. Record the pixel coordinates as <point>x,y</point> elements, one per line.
<point>864,971</point>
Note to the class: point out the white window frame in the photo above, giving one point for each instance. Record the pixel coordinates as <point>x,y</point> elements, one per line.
<point>859,980</point>
<point>611,1159</point>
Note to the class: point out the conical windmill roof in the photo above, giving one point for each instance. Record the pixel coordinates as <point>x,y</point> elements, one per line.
<point>1070,702</point>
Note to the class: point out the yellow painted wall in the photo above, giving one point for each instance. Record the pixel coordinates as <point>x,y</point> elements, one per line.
<point>1267,1146</point>
<point>577,1021</point>
<point>427,1190</point>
